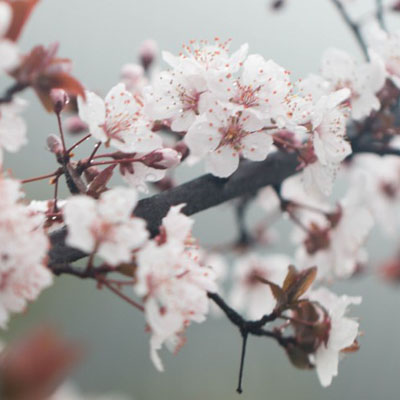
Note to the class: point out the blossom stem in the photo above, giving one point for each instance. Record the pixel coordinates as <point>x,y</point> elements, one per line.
<point>121,295</point>
<point>242,357</point>
<point>93,153</point>
<point>11,91</point>
<point>41,177</point>
<point>355,28</point>
<point>122,160</point>
<point>61,130</point>
<point>75,145</point>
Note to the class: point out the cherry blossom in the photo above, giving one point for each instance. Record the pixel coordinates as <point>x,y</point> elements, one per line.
<point>329,143</point>
<point>222,136</point>
<point>134,78</point>
<point>105,226</point>
<point>382,188</point>
<point>173,284</point>
<point>176,95</point>
<point>335,245</point>
<point>261,89</point>
<point>249,293</point>
<point>118,121</point>
<point>12,127</point>
<point>342,333</point>
<point>23,252</point>
<point>386,45</point>
<point>364,80</point>
<point>8,49</point>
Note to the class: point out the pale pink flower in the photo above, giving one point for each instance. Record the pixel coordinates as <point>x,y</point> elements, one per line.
<point>222,136</point>
<point>23,252</point>
<point>382,188</point>
<point>134,78</point>
<point>248,293</point>
<point>174,285</point>
<point>343,244</point>
<point>8,49</point>
<point>364,80</point>
<point>342,333</point>
<point>105,226</point>
<point>329,142</point>
<point>12,127</point>
<point>387,46</point>
<point>118,121</point>
<point>175,96</point>
<point>261,89</point>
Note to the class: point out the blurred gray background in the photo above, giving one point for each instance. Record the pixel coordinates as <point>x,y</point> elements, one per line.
<point>100,36</point>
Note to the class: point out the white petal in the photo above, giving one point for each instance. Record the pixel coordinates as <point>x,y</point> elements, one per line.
<point>326,361</point>
<point>223,162</point>
<point>257,146</point>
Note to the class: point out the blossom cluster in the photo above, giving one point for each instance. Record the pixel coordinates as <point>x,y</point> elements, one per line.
<point>220,107</point>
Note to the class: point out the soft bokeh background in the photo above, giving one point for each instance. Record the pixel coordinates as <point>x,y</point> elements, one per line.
<point>100,36</point>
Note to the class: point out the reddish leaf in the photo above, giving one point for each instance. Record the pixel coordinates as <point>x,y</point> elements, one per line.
<point>22,10</point>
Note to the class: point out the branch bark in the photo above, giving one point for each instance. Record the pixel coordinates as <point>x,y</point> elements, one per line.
<point>198,195</point>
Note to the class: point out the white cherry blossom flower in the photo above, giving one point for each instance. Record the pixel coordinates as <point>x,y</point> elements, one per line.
<point>382,188</point>
<point>343,332</point>
<point>330,145</point>
<point>176,95</point>
<point>140,175</point>
<point>23,252</point>
<point>134,78</point>
<point>261,89</point>
<point>338,247</point>
<point>118,121</point>
<point>174,285</point>
<point>105,226</point>
<point>210,59</point>
<point>387,46</point>
<point>251,295</point>
<point>12,127</point>
<point>222,136</point>
<point>364,80</point>
<point>8,49</point>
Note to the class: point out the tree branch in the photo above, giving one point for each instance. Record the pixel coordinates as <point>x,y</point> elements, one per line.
<point>355,28</point>
<point>198,195</point>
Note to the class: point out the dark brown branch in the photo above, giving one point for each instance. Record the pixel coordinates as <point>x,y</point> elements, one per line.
<point>198,195</point>
<point>11,91</point>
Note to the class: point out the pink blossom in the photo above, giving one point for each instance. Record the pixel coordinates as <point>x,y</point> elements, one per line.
<point>105,226</point>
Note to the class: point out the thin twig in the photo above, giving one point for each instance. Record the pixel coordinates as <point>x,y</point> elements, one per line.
<point>380,14</point>
<point>355,28</point>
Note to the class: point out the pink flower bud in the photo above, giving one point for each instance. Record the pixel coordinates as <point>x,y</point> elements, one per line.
<point>54,144</point>
<point>75,125</point>
<point>162,158</point>
<point>132,72</point>
<point>148,52</point>
<point>60,99</point>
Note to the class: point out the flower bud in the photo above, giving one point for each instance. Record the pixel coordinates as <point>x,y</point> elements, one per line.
<point>60,99</point>
<point>75,125</point>
<point>148,52</point>
<point>162,158</point>
<point>132,72</point>
<point>54,144</point>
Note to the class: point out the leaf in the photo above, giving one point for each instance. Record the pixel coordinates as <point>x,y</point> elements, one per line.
<point>22,10</point>
<point>99,183</point>
<point>297,283</point>
<point>298,357</point>
<point>276,290</point>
